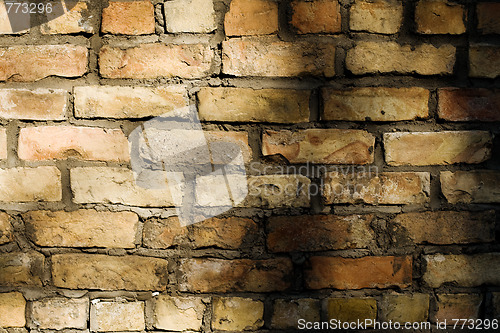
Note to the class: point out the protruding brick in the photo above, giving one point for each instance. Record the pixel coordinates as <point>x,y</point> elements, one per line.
<point>114,316</point>
<point>251,17</point>
<point>59,313</point>
<point>36,104</point>
<point>440,17</point>
<point>437,148</point>
<point>243,57</point>
<point>63,142</point>
<point>273,191</point>
<point>318,16</point>
<point>218,275</point>
<point>359,273</point>
<point>383,17</point>
<point>3,143</point>
<point>488,17</point>
<point>319,232</point>
<point>6,229</point>
<point>287,312</point>
<point>30,184</point>
<point>12,309</point>
<point>323,146</point>
<point>128,102</point>
<point>352,309</point>
<point>484,61</point>
<point>237,314</point>
<point>128,18</point>
<point>457,306</point>
<point>190,16</point>
<point>78,19</point>
<point>460,104</point>
<point>462,270</point>
<point>375,104</point>
<point>29,63</point>
<point>405,308</point>
<point>391,57</point>
<point>97,271</point>
<point>178,313</point>
<point>388,188</point>
<point>82,228</point>
<point>151,61</point>
<point>21,268</point>
<point>471,186</point>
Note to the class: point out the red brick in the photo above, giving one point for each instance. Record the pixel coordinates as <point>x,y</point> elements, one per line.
<point>21,268</point>
<point>36,104</point>
<point>439,17</point>
<point>460,104</point>
<point>366,272</point>
<point>488,17</point>
<point>484,61</point>
<point>471,186</point>
<point>3,143</point>
<point>457,306</point>
<point>251,17</point>
<point>128,18</point>
<point>319,16</point>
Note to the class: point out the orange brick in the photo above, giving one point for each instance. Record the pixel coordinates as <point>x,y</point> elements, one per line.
<point>128,18</point>
<point>460,104</point>
<point>488,17</point>
<point>251,17</point>
<point>439,17</point>
<point>36,104</point>
<point>319,16</point>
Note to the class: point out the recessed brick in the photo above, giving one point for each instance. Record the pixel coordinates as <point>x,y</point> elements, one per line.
<point>30,184</point>
<point>384,17</point>
<point>440,17</point>
<point>251,17</point>
<point>12,310</point>
<point>405,308</point>
<point>351,309</point>
<point>484,61</point>
<point>59,313</point>
<point>6,229</point>
<point>237,314</point>
<point>128,18</point>
<point>313,17</point>
<point>190,16</point>
<point>78,19</point>
<point>457,306</point>
<point>461,104</point>
<point>287,312</point>
<point>488,17</point>
<point>115,316</point>
<point>471,186</point>
<point>33,104</point>
<point>178,313</point>
<point>21,268</point>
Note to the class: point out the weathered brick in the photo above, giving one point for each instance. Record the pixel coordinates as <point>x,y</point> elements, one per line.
<point>6,28</point>
<point>82,228</point>
<point>251,17</point>
<point>3,143</point>
<point>323,146</point>
<point>389,188</point>
<point>36,104</point>
<point>457,306</point>
<point>440,17</point>
<point>384,17</point>
<point>462,270</point>
<point>190,16</point>
<point>488,17</point>
<point>151,61</point>
<point>351,309</point>
<point>63,142</point>
<point>484,61</point>
<point>21,268</point>
<point>97,271</point>
<point>250,105</point>
<point>58,313</point>
<point>6,229</point>
<point>319,232</point>
<point>243,57</point>
<point>225,233</point>
<point>127,102</point>
<point>128,18</point>
<point>273,191</point>
<point>388,57</point>
<point>375,104</point>
<point>178,313</point>
<point>164,233</point>
<point>319,16</point>
<point>437,148</point>
<point>218,275</point>
<point>461,104</point>
<point>114,316</point>
<point>471,186</point>
<point>78,19</point>
<point>30,184</point>
<point>448,227</point>
<point>359,273</point>
<point>287,312</point>
<point>34,62</point>
<point>237,314</point>
<point>12,309</point>
<point>116,185</point>
<point>405,308</point>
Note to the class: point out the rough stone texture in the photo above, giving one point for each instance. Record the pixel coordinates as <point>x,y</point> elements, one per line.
<point>3,143</point>
<point>237,314</point>
<point>471,186</point>
<point>243,57</point>
<point>456,306</point>
<point>251,17</point>
<point>440,17</point>
<point>405,308</point>
<point>30,184</point>
<point>21,268</point>
<point>459,104</point>
<point>382,16</point>
<point>34,62</point>
<point>287,312</point>
<point>65,142</point>
<point>375,104</point>
<point>127,102</point>
<point>488,17</point>
<point>437,148</point>
<point>6,229</point>
<point>218,275</point>
<point>59,313</point>
<point>36,104</point>
<point>390,188</point>
<point>114,316</point>
<point>273,191</point>
<point>250,105</point>
<point>319,233</point>
<point>190,16</point>
<point>178,313</point>
<point>462,270</point>
<point>97,271</point>
<point>351,309</point>
<point>78,19</point>
<point>322,146</point>
<point>82,228</point>
<point>359,273</point>
<point>319,16</point>
<point>12,309</point>
<point>128,18</point>
<point>151,61</point>
<point>389,57</point>
<point>484,61</point>
<point>117,185</point>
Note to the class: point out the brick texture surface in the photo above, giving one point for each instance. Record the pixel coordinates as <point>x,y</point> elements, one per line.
<point>439,17</point>
<point>128,18</point>
<point>251,17</point>
<point>384,17</point>
<point>319,16</point>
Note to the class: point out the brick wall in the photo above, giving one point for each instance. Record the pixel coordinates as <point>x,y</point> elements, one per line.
<point>382,116</point>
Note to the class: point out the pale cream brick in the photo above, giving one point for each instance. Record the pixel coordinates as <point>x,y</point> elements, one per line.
<point>3,143</point>
<point>237,314</point>
<point>59,313</point>
<point>114,316</point>
<point>33,104</point>
<point>30,184</point>
<point>381,16</point>
<point>190,16</point>
<point>178,313</point>
<point>12,309</point>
